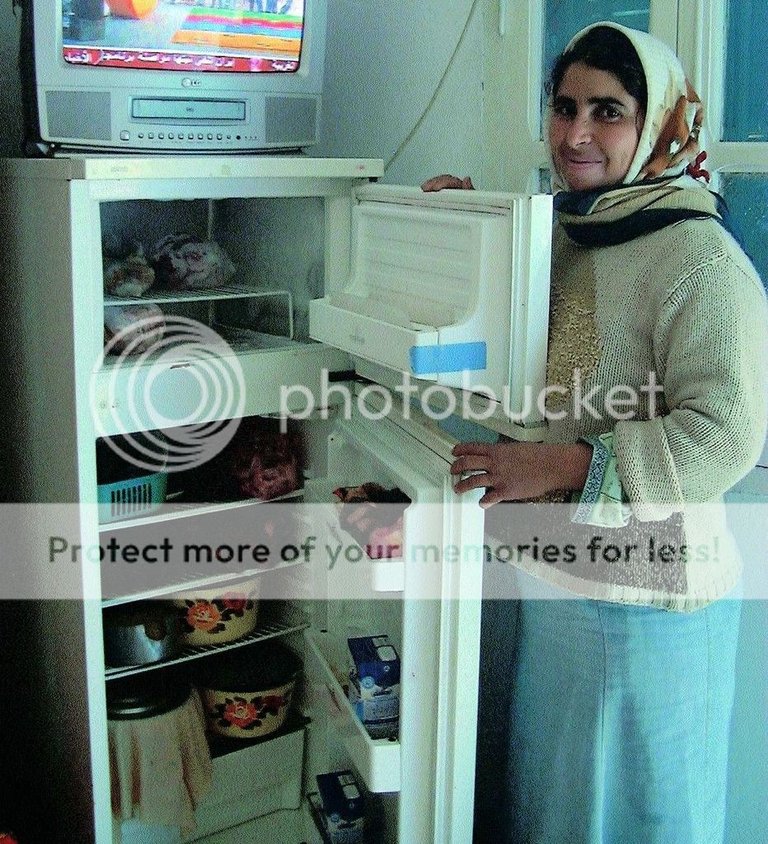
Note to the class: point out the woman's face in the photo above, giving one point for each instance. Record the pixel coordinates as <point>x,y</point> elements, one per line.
<point>595,128</point>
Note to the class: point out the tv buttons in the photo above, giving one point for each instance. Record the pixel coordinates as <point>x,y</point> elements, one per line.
<point>125,135</point>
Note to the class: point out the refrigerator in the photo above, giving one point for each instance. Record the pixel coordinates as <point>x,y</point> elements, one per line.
<point>368,320</point>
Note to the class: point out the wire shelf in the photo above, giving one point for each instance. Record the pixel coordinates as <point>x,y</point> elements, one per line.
<point>291,621</point>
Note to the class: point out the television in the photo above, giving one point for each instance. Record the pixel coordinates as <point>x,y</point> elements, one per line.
<point>184,76</point>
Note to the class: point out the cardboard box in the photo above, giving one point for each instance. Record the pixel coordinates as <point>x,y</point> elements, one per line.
<point>342,807</point>
<point>374,689</point>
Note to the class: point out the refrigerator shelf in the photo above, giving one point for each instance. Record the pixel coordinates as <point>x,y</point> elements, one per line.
<point>168,590</point>
<point>377,761</point>
<point>271,626</point>
<point>226,291</point>
<point>171,510</point>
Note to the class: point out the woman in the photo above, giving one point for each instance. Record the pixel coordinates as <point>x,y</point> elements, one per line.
<point>620,708</point>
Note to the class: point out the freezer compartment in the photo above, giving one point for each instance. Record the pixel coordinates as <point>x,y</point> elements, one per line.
<point>239,256</point>
<point>216,327</point>
<point>446,289</point>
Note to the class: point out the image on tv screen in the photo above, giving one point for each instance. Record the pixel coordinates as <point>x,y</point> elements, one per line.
<point>238,36</point>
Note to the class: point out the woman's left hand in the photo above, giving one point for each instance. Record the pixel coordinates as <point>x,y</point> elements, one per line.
<point>512,471</point>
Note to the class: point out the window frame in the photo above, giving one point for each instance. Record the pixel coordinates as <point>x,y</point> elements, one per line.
<point>702,49</point>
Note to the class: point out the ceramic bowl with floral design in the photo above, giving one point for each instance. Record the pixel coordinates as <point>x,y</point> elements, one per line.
<point>219,615</point>
<point>247,692</point>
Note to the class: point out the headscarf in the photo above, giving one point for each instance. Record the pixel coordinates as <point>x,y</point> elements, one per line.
<point>661,186</point>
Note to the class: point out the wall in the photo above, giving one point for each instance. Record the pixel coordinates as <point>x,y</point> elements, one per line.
<point>397,71</point>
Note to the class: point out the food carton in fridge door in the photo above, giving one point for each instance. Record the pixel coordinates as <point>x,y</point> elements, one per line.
<point>374,689</point>
<point>340,808</point>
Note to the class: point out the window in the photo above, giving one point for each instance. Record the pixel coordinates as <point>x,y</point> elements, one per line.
<point>746,117</point>
<point>564,18</point>
<point>722,43</point>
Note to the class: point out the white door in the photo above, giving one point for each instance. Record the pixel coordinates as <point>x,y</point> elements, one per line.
<point>448,289</point>
<point>430,589</point>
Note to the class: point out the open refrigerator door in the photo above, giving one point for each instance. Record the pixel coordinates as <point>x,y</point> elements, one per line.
<point>414,591</point>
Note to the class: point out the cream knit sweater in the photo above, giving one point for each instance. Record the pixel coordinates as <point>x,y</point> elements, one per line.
<point>685,305</point>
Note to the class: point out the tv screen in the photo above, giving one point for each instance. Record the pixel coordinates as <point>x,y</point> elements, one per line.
<point>235,36</point>
<point>172,75</point>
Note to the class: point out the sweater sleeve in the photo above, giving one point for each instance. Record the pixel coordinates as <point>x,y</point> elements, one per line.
<point>710,349</point>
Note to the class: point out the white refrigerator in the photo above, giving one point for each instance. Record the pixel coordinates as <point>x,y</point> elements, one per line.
<point>371,316</point>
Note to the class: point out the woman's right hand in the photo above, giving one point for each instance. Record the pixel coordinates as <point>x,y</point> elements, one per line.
<point>447,181</point>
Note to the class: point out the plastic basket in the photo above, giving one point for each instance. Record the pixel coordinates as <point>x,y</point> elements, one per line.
<point>131,498</point>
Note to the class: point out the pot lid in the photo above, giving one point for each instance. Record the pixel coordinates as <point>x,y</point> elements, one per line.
<point>250,668</point>
<point>144,695</point>
<point>157,617</point>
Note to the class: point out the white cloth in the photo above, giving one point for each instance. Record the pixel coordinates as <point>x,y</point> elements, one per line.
<point>160,766</point>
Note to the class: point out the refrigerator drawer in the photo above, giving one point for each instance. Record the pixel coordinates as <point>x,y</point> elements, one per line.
<point>257,780</point>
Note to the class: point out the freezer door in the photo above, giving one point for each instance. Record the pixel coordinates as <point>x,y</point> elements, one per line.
<point>449,287</point>
<point>438,579</point>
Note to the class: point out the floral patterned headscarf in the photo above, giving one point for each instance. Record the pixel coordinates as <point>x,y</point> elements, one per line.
<point>669,141</point>
<point>661,186</point>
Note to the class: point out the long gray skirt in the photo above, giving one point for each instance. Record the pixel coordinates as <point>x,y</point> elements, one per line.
<point>619,723</point>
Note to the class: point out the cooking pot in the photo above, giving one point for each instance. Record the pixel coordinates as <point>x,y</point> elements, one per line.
<point>144,695</point>
<point>247,692</point>
<point>140,633</point>
<point>218,615</point>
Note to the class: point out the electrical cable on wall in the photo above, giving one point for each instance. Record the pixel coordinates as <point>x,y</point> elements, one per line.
<point>438,88</point>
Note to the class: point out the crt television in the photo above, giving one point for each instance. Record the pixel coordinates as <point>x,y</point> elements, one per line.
<point>172,75</point>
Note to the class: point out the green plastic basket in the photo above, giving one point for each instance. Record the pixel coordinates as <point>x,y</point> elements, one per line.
<point>131,498</point>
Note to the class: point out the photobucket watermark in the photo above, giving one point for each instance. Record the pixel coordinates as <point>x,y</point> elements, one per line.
<point>438,402</point>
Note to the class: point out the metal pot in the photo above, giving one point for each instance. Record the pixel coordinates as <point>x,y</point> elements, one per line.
<point>140,633</point>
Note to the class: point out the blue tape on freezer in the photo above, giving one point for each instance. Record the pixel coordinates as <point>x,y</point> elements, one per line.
<point>451,357</point>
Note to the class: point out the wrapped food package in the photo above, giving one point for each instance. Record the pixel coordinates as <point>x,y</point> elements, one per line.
<point>264,462</point>
<point>183,262</point>
<point>373,516</point>
<point>132,329</point>
<point>129,275</point>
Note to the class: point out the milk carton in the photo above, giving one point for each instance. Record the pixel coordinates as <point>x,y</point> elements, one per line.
<point>374,688</point>
<point>341,807</point>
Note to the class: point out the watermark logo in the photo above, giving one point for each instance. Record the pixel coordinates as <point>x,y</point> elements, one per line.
<point>436,401</point>
<point>176,381</point>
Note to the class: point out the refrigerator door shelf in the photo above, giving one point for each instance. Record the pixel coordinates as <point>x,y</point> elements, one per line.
<point>377,761</point>
<point>440,626</point>
<point>362,450</point>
